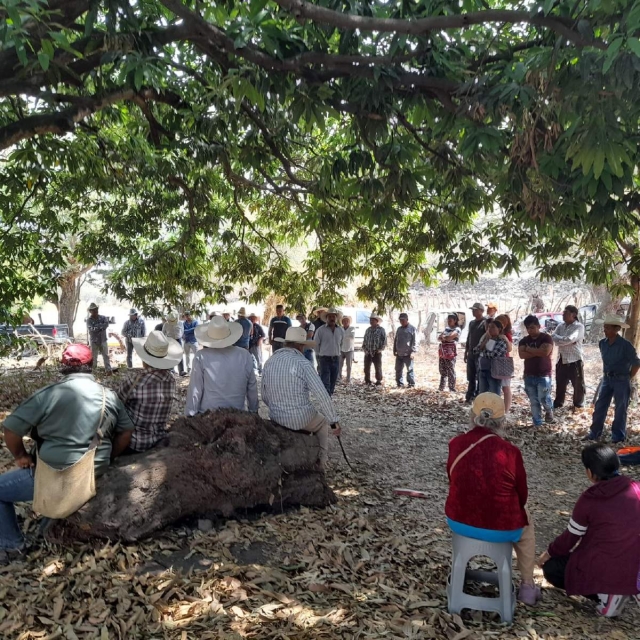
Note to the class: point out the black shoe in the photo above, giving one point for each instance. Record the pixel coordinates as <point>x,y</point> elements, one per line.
<point>378,383</point>
<point>400,384</point>
<point>411,386</point>
<point>588,438</point>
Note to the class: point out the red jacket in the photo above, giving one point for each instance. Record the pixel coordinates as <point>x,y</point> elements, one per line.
<point>606,523</point>
<point>488,487</point>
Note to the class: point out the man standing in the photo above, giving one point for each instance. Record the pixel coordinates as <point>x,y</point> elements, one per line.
<point>620,364</point>
<point>310,329</point>
<point>492,310</point>
<point>404,349</point>
<point>97,326</point>
<point>278,328</point>
<point>568,337</point>
<point>190,341</point>
<point>328,344</point>
<point>174,328</point>
<point>222,376</point>
<point>535,349</point>
<point>148,396</point>
<point>318,322</point>
<point>477,328</point>
<point>247,327</point>
<point>134,327</point>
<point>373,344</point>
<point>347,350</point>
<point>255,342</point>
<point>288,380</point>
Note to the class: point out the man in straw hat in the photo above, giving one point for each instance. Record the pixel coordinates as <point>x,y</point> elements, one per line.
<point>373,344</point>
<point>134,327</point>
<point>247,328</point>
<point>97,326</point>
<point>222,376</point>
<point>620,365</point>
<point>328,347</point>
<point>148,396</point>
<point>173,327</point>
<point>66,416</point>
<point>287,382</point>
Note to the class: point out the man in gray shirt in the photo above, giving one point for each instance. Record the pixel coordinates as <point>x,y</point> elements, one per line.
<point>404,349</point>
<point>97,326</point>
<point>328,342</point>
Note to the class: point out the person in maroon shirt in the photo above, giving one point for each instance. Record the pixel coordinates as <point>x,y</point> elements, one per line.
<point>488,489</point>
<point>605,526</point>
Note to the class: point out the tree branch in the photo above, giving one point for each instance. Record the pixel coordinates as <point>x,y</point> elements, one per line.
<point>302,11</point>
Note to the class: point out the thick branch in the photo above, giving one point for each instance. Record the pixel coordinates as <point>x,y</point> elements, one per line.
<point>307,11</point>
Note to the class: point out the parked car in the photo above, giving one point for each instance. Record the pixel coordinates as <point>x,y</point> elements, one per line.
<point>549,320</point>
<point>360,320</point>
<point>50,333</point>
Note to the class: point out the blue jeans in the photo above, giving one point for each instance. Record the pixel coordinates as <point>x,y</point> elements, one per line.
<point>329,369</point>
<point>487,383</point>
<point>538,388</point>
<point>618,389</point>
<point>401,363</point>
<point>15,486</point>
<point>308,354</point>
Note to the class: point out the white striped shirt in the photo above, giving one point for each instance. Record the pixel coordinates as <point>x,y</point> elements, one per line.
<point>288,379</point>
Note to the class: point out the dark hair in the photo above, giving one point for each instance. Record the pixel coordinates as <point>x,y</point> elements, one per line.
<point>404,315</point>
<point>454,316</point>
<point>531,321</point>
<point>279,306</point>
<point>68,369</point>
<point>601,460</point>
<point>497,323</point>
<point>571,309</point>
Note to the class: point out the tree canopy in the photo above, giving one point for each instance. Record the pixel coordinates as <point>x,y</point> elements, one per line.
<point>193,145</point>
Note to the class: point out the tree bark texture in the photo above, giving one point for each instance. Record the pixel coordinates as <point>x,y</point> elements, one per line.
<point>633,319</point>
<point>213,464</point>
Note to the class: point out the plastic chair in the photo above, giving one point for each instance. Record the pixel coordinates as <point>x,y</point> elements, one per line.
<point>464,549</point>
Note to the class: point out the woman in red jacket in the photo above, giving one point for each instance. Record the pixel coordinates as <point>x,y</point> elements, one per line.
<point>488,489</point>
<point>605,565</point>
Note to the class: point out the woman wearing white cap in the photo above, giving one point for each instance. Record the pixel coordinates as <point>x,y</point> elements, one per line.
<point>222,375</point>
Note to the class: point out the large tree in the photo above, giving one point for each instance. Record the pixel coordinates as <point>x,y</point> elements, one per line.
<point>211,138</point>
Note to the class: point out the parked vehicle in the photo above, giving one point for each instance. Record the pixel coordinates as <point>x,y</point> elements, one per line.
<point>549,320</point>
<point>360,320</point>
<point>49,333</point>
<point>436,323</point>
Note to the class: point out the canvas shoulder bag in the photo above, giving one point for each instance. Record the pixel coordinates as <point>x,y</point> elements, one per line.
<point>60,492</point>
<point>469,448</point>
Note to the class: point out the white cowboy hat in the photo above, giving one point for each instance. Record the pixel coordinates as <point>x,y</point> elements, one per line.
<point>614,320</point>
<point>242,312</point>
<point>318,311</point>
<point>172,317</point>
<point>297,335</point>
<point>331,311</point>
<point>93,306</point>
<point>158,351</point>
<point>133,312</point>
<point>375,316</point>
<point>218,333</point>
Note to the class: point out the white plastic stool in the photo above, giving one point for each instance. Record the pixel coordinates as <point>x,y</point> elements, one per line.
<point>500,552</point>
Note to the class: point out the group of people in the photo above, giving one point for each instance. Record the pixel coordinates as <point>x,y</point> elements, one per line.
<point>597,556</point>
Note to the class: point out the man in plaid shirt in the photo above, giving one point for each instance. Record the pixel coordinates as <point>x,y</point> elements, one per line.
<point>134,327</point>
<point>373,344</point>
<point>148,396</point>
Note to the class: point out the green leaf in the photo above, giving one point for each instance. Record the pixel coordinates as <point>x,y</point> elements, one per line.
<point>90,20</point>
<point>634,45</point>
<point>44,60</point>
<point>138,78</point>
<point>612,53</point>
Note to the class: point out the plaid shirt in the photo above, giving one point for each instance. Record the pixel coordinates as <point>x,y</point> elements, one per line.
<point>288,379</point>
<point>375,339</point>
<point>569,339</point>
<point>148,398</point>
<point>136,329</point>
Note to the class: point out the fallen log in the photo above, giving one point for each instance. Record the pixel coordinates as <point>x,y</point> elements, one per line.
<point>213,464</point>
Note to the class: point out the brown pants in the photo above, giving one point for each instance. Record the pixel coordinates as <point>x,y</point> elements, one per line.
<point>319,426</point>
<point>525,550</point>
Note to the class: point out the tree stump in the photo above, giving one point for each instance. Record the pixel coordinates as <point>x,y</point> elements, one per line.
<point>213,464</point>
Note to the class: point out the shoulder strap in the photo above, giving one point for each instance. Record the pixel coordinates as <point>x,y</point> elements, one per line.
<point>464,453</point>
<point>97,438</point>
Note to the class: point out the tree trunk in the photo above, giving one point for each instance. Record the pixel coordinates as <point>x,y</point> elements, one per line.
<point>70,283</point>
<point>213,464</point>
<point>633,319</point>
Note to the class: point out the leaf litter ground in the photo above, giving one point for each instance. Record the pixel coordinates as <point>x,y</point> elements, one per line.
<point>373,566</point>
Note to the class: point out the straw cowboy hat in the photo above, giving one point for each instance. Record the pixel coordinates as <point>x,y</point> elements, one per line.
<point>253,314</point>
<point>158,351</point>
<point>93,306</point>
<point>489,402</point>
<point>133,312</point>
<point>332,310</point>
<point>218,333</point>
<point>375,316</point>
<point>492,305</point>
<point>172,317</point>
<point>297,335</point>
<point>318,311</point>
<point>613,320</point>
<point>242,312</point>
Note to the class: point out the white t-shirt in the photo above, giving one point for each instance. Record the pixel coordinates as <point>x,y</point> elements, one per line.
<point>347,341</point>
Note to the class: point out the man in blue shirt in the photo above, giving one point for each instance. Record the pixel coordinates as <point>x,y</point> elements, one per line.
<point>190,341</point>
<point>620,365</point>
<point>247,329</point>
<point>278,328</point>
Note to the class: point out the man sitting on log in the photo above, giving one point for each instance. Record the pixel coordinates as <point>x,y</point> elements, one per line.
<point>64,419</point>
<point>287,380</point>
<point>148,395</point>
<point>222,376</point>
